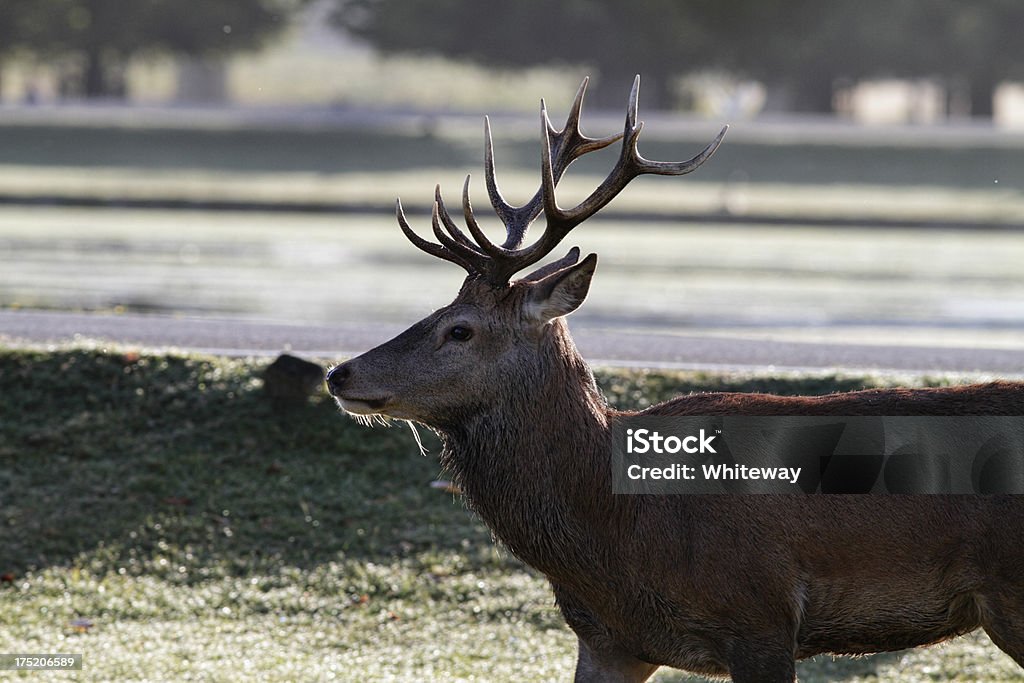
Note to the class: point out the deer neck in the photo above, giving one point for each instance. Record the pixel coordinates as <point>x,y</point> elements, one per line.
<point>537,464</point>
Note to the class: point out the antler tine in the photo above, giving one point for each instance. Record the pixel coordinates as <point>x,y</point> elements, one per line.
<point>633,106</point>
<point>571,133</point>
<point>506,212</point>
<point>678,167</point>
<point>450,225</point>
<point>429,247</point>
<point>630,165</point>
<point>473,257</point>
<point>567,145</point>
<point>489,247</point>
<point>547,187</point>
<point>642,165</point>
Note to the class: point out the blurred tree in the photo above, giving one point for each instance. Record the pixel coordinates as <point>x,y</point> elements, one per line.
<point>100,36</point>
<point>804,47</point>
<point>11,19</point>
<point>11,12</point>
<point>619,39</point>
<point>801,47</point>
<point>982,45</point>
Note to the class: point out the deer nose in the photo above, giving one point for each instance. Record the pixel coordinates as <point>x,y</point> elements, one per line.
<point>336,378</point>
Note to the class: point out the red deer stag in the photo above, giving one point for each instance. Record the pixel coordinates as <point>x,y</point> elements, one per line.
<point>738,585</point>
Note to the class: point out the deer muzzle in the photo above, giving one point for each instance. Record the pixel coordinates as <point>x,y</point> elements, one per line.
<point>337,377</point>
<point>340,386</point>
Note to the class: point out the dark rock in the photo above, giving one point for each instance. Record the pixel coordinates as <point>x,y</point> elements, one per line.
<point>292,380</point>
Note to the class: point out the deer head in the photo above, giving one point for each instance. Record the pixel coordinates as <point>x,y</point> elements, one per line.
<point>499,334</point>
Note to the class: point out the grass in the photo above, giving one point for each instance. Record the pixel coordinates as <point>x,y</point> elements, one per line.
<point>160,515</point>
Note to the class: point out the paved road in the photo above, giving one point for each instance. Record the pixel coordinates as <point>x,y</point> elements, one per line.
<point>599,346</point>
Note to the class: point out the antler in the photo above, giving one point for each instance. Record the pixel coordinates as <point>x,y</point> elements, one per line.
<point>498,263</point>
<point>564,147</point>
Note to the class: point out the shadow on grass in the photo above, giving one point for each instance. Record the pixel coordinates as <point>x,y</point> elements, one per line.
<point>132,457</point>
<point>128,456</point>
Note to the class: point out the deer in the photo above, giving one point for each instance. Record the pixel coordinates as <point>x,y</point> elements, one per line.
<point>720,585</point>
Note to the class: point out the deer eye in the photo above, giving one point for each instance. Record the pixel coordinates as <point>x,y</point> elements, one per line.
<point>460,333</point>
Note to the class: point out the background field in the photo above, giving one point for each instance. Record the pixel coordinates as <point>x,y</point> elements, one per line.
<point>789,282</point>
<point>160,515</point>
<point>856,239</point>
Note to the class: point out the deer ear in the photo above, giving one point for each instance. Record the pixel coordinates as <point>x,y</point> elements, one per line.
<point>561,292</point>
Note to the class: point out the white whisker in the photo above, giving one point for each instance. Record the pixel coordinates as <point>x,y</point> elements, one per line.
<point>416,435</point>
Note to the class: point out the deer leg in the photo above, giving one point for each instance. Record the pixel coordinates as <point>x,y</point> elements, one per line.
<point>759,663</point>
<point>610,667</point>
<point>1003,621</point>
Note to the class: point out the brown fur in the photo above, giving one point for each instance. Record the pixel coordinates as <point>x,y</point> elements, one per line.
<point>718,585</point>
<point>994,398</point>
